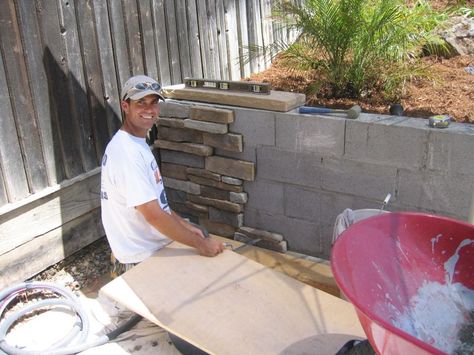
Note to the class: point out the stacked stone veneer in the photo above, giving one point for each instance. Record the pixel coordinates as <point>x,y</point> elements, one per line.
<point>200,184</point>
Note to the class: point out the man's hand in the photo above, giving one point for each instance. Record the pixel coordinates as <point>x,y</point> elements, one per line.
<point>210,247</point>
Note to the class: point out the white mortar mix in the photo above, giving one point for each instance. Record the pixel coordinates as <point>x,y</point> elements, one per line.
<point>437,312</point>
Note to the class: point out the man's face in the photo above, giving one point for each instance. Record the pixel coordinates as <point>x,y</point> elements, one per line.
<point>140,115</point>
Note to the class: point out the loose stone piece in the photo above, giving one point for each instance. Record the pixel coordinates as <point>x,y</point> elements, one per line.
<point>211,114</point>
<point>191,148</point>
<point>236,168</point>
<point>205,126</point>
<point>230,141</point>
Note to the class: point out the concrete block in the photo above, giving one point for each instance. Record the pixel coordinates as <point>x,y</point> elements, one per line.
<point>436,193</point>
<point>203,173</point>
<point>191,148</point>
<point>266,196</point>
<point>211,114</point>
<point>170,122</point>
<point>238,197</point>
<point>257,127</point>
<point>190,160</point>
<point>219,204</point>
<point>233,219</point>
<point>212,192</point>
<point>259,233</point>
<point>174,171</point>
<point>217,184</point>
<point>179,135</point>
<point>174,109</point>
<point>231,180</point>
<point>358,178</point>
<point>221,229</point>
<point>181,185</point>
<point>398,143</point>
<point>450,149</point>
<point>302,203</point>
<point>323,135</point>
<point>292,167</point>
<point>301,236</point>
<point>235,168</point>
<point>206,126</point>
<point>230,141</point>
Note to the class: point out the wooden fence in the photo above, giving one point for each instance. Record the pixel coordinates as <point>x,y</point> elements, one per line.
<point>62,64</point>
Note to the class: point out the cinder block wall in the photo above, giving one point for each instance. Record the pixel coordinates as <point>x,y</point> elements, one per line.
<point>310,168</point>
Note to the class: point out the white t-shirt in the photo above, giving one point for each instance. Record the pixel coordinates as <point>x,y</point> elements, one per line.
<point>130,177</point>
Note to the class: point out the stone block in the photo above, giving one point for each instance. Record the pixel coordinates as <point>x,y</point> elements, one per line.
<point>190,148</point>
<point>204,174</point>
<point>211,114</point>
<point>186,186</point>
<point>212,192</point>
<point>230,141</point>
<point>220,229</point>
<point>174,157</point>
<point>258,127</point>
<point>220,204</point>
<point>301,236</point>
<point>180,135</point>
<point>170,122</point>
<point>176,195</point>
<point>235,168</point>
<point>231,180</point>
<point>217,184</point>
<point>249,153</point>
<point>174,109</point>
<point>291,167</point>
<point>210,127</point>
<point>271,245</point>
<point>174,171</point>
<point>238,197</point>
<point>184,211</point>
<point>233,219</point>
<point>358,178</point>
<point>266,196</point>
<point>323,135</point>
<point>262,234</point>
<point>198,208</point>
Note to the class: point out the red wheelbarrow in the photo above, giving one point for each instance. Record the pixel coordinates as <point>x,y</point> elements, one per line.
<point>386,264</point>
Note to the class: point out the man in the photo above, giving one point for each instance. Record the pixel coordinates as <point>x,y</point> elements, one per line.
<point>135,211</point>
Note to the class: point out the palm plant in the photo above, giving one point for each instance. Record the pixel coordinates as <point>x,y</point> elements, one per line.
<point>350,41</point>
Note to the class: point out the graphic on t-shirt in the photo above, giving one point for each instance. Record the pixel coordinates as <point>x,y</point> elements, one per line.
<point>156,171</point>
<point>104,159</point>
<point>164,201</point>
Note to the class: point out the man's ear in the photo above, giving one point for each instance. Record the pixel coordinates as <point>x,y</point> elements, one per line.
<point>124,105</point>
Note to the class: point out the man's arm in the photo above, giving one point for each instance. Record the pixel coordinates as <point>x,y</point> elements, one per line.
<point>173,228</point>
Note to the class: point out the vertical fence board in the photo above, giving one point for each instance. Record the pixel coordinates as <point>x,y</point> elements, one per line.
<point>183,38</point>
<point>22,106</point>
<point>93,76</point>
<point>47,127</point>
<point>194,39</point>
<point>111,91</point>
<point>267,33</point>
<point>208,50</point>
<point>161,41</point>
<point>77,86</point>
<point>10,151</point>
<point>3,191</point>
<point>243,38</point>
<point>255,34</point>
<point>119,41</point>
<point>133,35</point>
<point>222,41</point>
<point>55,61</point>
<point>232,40</point>
<point>173,43</point>
<point>145,10</point>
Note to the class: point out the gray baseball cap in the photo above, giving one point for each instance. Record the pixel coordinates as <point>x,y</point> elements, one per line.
<point>140,86</point>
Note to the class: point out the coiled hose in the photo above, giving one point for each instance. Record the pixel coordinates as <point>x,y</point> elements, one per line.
<point>75,340</point>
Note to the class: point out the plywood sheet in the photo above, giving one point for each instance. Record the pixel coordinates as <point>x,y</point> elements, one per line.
<point>276,101</point>
<point>232,305</point>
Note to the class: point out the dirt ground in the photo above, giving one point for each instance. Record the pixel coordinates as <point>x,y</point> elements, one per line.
<point>449,89</point>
